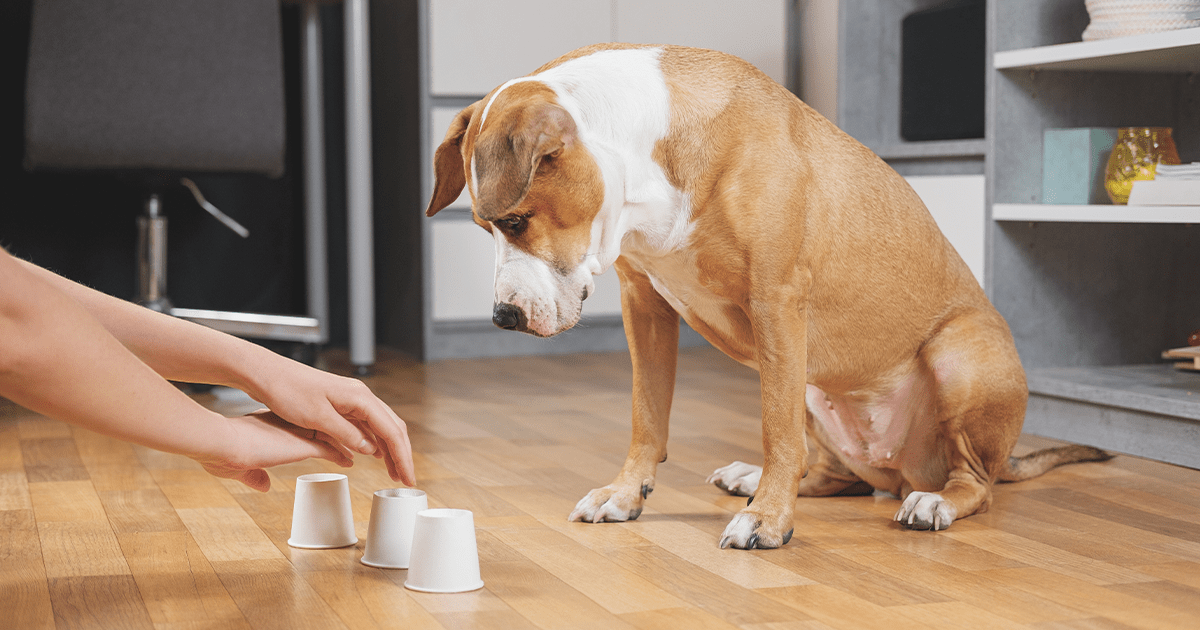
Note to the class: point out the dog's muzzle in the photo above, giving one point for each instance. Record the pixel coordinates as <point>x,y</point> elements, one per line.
<point>509,317</point>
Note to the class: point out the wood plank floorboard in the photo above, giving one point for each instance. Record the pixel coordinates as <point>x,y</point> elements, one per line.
<point>101,534</point>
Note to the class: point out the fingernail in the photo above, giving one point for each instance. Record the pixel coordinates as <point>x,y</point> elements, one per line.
<point>366,448</point>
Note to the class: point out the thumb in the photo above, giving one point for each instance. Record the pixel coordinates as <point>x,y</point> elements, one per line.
<point>326,447</point>
<point>257,479</point>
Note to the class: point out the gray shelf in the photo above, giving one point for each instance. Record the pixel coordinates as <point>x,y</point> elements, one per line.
<point>975,148</point>
<point>1092,294</point>
<point>1157,389</point>
<point>1171,52</point>
<point>1151,411</point>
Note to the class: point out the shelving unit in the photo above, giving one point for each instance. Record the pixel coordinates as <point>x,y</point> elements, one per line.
<point>1093,294</point>
<point>869,92</point>
<point>1095,213</point>
<point>1173,51</point>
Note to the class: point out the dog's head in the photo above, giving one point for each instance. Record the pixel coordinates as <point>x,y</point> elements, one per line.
<point>538,190</point>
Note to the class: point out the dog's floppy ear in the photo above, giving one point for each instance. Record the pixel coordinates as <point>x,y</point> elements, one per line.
<point>448,177</point>
<point>507,159</point>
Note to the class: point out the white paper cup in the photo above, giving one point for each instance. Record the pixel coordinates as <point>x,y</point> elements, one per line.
<point>390,533</point>
<point>321,516</point>
<point>445,558</point>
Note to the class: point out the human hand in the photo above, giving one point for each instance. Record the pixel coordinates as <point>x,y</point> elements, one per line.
<point>261,440</point>
<point>344,409</point>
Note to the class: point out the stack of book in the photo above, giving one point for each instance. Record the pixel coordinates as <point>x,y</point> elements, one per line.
<point>1173,185</point>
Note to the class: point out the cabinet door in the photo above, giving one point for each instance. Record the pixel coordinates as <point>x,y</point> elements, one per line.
<point>463,270</point>
<point>476,45</point>
<point>755,30</point>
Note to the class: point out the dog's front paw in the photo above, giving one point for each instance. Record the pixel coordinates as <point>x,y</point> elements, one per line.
<point>926,510</point>
<point>748,530</point>
<point>737,478</point>
<point>610,504</point>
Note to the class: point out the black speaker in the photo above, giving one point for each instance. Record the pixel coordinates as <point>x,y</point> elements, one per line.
<point>942,72</point>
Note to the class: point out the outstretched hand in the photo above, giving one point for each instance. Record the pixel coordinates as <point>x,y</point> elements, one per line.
<point>262,439</point>
<point>343,410</point>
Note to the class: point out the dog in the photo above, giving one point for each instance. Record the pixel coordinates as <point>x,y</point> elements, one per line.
<point>721,198</point>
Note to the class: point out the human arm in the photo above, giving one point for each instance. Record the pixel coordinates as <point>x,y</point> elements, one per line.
<point>69,352</point>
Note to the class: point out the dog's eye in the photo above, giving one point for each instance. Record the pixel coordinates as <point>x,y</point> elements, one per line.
<point>514,223</point>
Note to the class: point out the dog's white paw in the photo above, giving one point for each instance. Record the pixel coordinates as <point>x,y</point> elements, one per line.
<point>610,504</point>
<point>737,478</point>
<point>926,510</point>
<point>746,531</point>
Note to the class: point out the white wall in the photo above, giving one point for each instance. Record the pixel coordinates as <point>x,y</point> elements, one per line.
<point>476,45</point>
<point>957,204</point>
<point>819,55</point>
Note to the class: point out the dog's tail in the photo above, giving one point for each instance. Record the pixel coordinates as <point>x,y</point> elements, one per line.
<point>1038,462</point>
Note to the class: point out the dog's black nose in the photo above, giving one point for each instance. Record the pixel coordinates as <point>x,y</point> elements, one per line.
<point>507,316</point>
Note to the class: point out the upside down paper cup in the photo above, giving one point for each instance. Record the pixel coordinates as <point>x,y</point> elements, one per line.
<point>390,533</point>
<point>445,557</point>
<point>321,516</point>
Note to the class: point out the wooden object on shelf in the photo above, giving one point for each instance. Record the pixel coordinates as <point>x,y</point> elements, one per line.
<point>1191,353</point>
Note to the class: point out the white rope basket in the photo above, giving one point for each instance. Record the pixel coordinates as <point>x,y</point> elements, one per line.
<point>1120,18</point>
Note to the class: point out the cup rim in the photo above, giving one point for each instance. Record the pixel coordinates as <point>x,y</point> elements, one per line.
<point>301,544</point>
<point>440,513</point>
<point>321,477</point>
<point>463,588</point>
<point>399,493</point>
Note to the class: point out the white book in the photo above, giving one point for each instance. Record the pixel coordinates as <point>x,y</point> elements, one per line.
<point>1177,171</point>
<point>1165,192</point>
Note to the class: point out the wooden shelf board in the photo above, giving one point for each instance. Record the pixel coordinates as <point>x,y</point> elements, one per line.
<point>1095,213</point>
<point>1171,51</point>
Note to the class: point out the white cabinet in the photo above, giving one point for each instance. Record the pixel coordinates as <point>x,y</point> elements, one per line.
<point>754,30</point>
<point>463,268</point>
<point>475,45</point>
<point>471,47</point>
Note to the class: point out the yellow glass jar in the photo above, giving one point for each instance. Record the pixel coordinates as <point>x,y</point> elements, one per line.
<point>1136,154</point>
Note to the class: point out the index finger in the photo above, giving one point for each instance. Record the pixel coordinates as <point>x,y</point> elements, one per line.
<point>390,433</point>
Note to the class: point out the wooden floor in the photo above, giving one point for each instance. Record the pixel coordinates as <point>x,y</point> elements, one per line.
<point>97,534</point>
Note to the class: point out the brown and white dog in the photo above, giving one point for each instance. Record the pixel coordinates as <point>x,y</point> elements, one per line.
<point>722,198</point>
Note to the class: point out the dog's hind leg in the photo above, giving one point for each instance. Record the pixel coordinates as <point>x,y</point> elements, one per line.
<point>981,395</point>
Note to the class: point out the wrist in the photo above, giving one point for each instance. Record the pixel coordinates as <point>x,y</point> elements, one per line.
<point>246,366</point>
<point>213,440</point>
